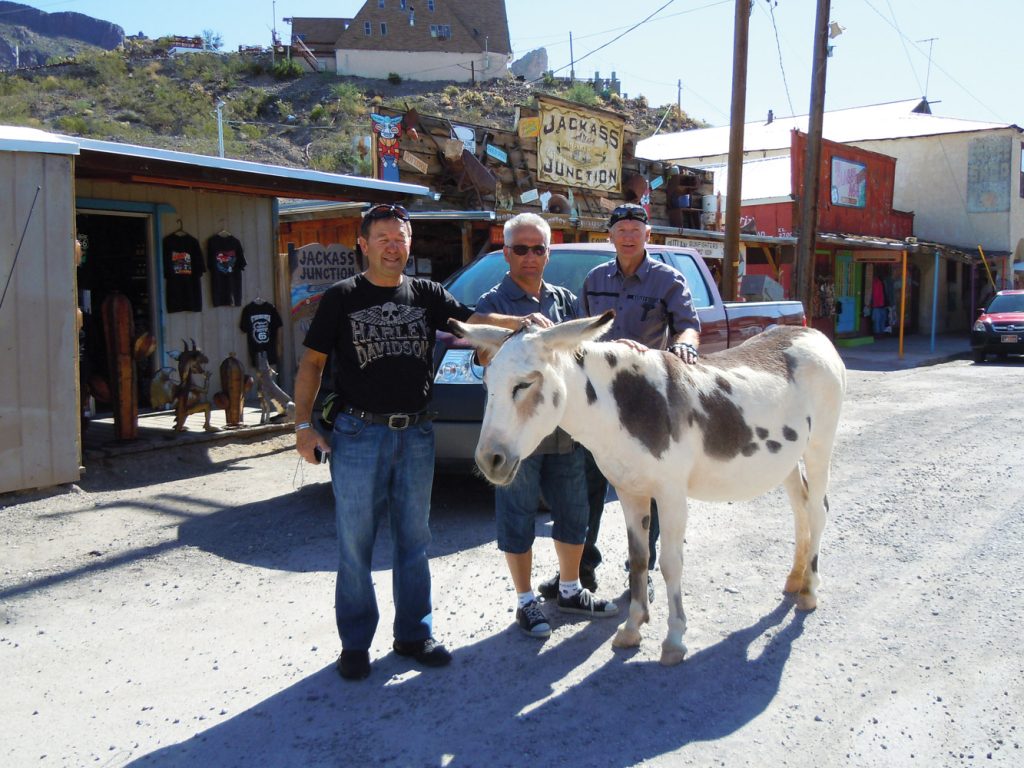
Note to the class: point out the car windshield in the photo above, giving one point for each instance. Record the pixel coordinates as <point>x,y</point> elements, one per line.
<point>1010,302</point>
<point>566,268</point>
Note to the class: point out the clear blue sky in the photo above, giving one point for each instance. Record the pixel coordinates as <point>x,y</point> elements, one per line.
<point>975,71</point>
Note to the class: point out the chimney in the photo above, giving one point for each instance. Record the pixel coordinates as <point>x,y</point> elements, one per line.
<point>771,117</point>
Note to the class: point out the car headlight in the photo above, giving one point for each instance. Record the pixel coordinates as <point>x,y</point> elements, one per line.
<point>980,326</point>
<point>458,367</point>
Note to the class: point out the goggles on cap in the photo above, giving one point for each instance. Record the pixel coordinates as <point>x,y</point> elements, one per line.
<point>627,212</point>
<point>387,211</point>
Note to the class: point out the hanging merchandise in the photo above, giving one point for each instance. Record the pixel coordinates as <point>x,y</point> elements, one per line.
<point>183,268</point>
<point>260,322</point>
<point>226,261</point>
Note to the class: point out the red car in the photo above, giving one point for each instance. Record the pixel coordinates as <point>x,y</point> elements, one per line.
<point>999,330</point>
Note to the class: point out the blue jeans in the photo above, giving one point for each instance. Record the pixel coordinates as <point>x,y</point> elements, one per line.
<point>879,319</point>
<point>561,477</point>
<point>376,472</point>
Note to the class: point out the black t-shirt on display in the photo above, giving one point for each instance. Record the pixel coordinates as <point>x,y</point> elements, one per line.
<point>259,323</point>
<point>183,268</point>
<point>226,261</point>
<point>381,340</point>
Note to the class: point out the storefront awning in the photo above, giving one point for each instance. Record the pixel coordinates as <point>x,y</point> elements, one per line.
<point>129,163</point>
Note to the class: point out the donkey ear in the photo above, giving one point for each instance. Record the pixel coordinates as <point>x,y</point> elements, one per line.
<point>485,338</point>
<point>569,335</point>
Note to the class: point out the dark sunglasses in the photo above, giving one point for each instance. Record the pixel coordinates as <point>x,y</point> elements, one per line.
<point>522,250</point>
<point>387,211</point>
<point>627,212</point>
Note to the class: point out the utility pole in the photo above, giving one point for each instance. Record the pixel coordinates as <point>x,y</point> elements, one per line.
<point>220,128</point>
<point>572,62</point>
<point>679,98</point>
<point>741,35</point>
<point>808,236</point>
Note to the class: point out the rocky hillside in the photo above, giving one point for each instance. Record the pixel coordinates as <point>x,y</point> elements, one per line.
<point>30,37</point>
<point>273,112</point>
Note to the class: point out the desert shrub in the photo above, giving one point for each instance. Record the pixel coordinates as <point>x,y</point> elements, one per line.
<point>471,99</point>
<point>394,78</point>
<point>318,114</point>
<point>287,69</point>
<point>350,101</point>
<point>583,94</point>
<point>102,67</point>
<point>73,124</point>
<point>452,91</point>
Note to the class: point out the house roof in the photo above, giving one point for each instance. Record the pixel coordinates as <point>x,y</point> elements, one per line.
<point>476,26</point>
<point>895,120</point>
<point>112,161</point>
<point>319,34</point>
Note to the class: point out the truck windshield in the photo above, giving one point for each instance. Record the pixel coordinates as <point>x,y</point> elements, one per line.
<point>1008,302</point>
<point>566,268</point>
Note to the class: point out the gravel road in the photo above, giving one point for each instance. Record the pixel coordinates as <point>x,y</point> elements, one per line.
<point>175,609</point>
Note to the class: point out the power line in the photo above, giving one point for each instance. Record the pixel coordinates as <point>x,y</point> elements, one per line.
<point>778,47</point>
<point>903,42</point>
<point>614,39</point>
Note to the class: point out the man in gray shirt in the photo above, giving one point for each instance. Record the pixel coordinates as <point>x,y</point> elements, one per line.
<point>653,307</point>
<point>556,467</point>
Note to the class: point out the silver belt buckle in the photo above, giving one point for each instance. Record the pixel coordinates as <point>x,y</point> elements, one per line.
<point>398,420</point>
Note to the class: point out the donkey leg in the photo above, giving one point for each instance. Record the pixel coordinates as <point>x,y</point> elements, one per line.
<point>672,515</point>
<point>817,464</point>
<point>637,510</point>
<point>796,488</point>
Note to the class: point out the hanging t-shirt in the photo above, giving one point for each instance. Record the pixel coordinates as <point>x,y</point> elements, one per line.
<point>381,340</point>
<point>226,262</point>
<point>183,268</point>
<point>259,323</point>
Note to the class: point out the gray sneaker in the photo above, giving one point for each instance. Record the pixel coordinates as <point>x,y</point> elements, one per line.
<point>584,603</point>
<point>532,621</point>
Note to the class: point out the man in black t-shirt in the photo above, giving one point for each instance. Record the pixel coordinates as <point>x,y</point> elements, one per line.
<point>379,328</point>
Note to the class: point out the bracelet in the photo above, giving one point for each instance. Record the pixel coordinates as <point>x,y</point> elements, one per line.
<point>687,345</point>
<point>303,425</point>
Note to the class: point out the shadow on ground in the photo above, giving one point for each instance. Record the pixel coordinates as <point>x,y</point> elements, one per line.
<point>508,701</point>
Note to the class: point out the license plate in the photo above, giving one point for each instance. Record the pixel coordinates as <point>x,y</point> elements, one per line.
<point>1009,338</point>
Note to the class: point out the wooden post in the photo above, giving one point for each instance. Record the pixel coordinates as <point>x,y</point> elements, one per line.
<point>741,34</point>
<point>808,236</point>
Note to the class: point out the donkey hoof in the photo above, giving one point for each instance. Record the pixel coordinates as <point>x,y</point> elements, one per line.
<point>805,601</point>
<point>671,655</point>
<point>626,638</point>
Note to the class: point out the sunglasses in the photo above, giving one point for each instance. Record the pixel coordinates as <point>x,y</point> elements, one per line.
<point>387,211</point>
<point>627,212</point>
<point>522,250</point>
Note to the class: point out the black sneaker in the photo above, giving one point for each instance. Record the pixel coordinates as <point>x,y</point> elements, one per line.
<point>429,652</point>
<point>549,589</point>
<point>354,665</point>
<point>532,620</point>
<point>584,602</point>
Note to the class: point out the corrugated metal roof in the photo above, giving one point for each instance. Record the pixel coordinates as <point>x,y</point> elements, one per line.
<point>894,120</point>
<point>15,138</point>
<point>255,170</point>
<point>766,180</point>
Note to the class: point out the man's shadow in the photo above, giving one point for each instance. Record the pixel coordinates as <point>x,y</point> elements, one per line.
<point>508,700</point>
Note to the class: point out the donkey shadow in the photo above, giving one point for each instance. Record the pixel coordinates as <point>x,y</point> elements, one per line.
<point>507,700</point>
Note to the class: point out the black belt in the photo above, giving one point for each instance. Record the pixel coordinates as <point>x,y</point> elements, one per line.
<point>392,420</point>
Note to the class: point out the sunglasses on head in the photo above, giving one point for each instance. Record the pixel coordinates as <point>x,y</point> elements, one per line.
<point>627,212</point>
<point>522,250</point>
<point>387,211</point>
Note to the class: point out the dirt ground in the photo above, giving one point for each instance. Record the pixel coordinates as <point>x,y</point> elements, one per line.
<point>175,608</point>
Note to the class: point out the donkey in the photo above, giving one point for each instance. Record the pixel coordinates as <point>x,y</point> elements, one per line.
<point>728,428</point>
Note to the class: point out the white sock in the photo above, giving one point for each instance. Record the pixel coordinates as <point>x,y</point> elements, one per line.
<point>525,598</point>
<point>569,588</point>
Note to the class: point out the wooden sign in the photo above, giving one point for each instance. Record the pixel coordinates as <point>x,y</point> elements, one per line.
<point>410,159</point>
<point>579,148</point>
<point>529,128</point>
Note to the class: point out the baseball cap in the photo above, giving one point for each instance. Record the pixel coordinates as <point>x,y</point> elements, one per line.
<point>627,211</point>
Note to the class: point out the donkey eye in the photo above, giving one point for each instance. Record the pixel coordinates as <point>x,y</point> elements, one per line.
<point>519,386</point>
